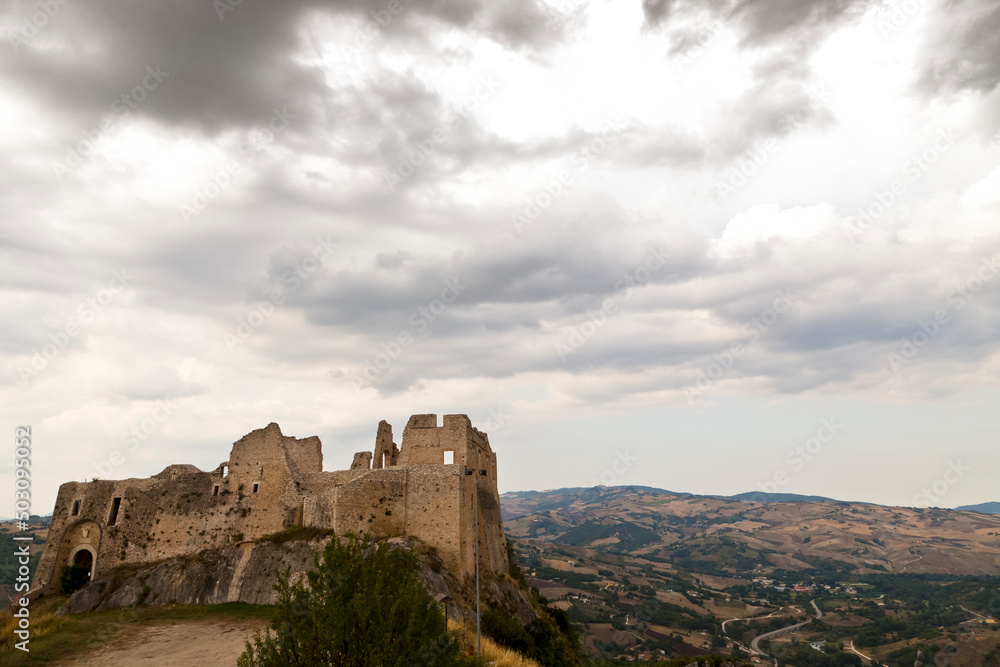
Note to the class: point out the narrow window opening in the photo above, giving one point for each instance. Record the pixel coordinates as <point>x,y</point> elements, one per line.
<point>449,457</point>
<point>116,504</point>
<point>76,507</point>
<point>440,420</point>
<point>225,470</point>
<point>255,487</point>
<point>215,491</point>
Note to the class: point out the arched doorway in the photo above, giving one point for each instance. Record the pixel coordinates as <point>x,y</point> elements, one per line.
<point>84,559</point>
<point>78,572</point>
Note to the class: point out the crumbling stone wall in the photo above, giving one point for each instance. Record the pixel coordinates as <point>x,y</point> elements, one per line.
<point>386,452</point>
<point>272,482</point>
<point>362,461</point>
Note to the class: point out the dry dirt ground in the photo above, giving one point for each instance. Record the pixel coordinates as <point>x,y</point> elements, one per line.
<point>176,644</point>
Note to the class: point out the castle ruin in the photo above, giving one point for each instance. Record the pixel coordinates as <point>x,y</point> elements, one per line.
<point>424,488</point>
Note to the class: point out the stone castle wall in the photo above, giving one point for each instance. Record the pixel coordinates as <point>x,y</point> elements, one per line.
<point>272,482</point>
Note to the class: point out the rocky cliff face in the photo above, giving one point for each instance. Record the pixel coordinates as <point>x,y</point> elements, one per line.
<point>247,573</point>
<point>244,573</point>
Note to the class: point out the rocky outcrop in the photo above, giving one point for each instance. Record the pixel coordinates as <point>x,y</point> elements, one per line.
<point>247,573</point>
<point>244,573</point>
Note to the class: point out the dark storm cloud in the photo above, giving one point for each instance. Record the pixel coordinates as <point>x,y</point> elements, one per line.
<point>796,23</point>
<point>779,36</point>
<point>793,22</point>
<point>657,11</point>
<point>222,68</point>
<point>962,51</point>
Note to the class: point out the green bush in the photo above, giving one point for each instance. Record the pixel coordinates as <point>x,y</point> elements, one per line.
<point>363,607</point>
<point>73,578</point>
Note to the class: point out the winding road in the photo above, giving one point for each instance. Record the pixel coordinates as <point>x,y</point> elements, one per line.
<point>755,644</point>
<point>745,618</point>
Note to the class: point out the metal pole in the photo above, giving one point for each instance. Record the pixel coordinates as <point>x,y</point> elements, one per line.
<point>475,493</point>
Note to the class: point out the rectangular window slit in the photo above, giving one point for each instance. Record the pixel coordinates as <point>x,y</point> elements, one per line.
<point>116,504</point>
<point>215,491</point>
<point>449,457</point>
<point>255,487</point>
<point>76,507</point>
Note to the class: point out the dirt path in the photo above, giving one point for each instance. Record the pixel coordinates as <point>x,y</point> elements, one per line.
<point>857,652</point>
<point>180,644</point>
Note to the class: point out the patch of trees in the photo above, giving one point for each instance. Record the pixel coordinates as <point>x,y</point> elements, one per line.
<point>630,536</point>
<point>570,578</point>
<point>804,655</point>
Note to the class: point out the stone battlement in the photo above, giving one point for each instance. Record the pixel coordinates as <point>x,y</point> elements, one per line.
<point>423,489</point>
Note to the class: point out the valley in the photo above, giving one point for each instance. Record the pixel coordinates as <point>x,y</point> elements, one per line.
<point>650,574</point>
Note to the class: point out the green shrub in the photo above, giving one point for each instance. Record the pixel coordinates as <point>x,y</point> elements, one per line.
<point>364,607</point>
<point>73,578</point>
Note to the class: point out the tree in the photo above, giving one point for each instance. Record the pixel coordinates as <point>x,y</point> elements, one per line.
<point>363,607</point>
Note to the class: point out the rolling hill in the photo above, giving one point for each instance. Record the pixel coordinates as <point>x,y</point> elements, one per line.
<point>733,537</point>
<point>760,497</point>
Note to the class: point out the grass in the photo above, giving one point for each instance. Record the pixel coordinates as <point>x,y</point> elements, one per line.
<point>55,638</point>
<point>493,653</point>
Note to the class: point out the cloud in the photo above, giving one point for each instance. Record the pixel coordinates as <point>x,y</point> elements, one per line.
<point>657,11</point>
<point>226,65</point>
<point>477,109</point>
<point>962,52</point>
<point>761,23</point>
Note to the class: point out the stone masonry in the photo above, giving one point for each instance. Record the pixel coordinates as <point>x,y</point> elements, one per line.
<point>424,489</point>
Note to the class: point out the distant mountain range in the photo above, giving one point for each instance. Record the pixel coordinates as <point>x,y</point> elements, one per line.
<point>751,496</point>
<point>982,508</point>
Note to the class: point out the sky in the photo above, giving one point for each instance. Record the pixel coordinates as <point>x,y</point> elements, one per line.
<point>712,247</point>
